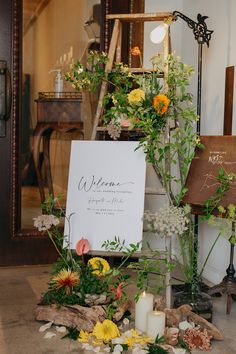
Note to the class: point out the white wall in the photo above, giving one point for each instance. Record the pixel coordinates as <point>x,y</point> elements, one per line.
<point>151,49</point>
<point>221,53</point>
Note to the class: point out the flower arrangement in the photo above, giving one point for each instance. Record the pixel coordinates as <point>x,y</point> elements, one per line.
<point>150,103</point>
<point>74,278</point>
<point>159,106</point>
<point>78,279</point>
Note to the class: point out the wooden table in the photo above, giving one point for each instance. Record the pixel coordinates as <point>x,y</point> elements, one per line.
<point>55,112</point>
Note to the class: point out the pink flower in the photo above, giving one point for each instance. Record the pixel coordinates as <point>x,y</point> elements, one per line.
<point>82,246</point>
<point>118,291</point>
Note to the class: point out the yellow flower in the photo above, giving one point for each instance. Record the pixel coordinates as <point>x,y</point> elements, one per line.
<point>221,209</point>
<point>66,279</point>
<point>97,342</point>
<point>83,336</point>
<point>99,265</point>
<point>231,210</point>
<point>130,341</point>
<point>136,96</point>
<point>161,103</point>
<point>106,330</point>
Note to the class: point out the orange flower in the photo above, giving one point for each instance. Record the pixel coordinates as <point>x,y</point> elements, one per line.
<point>135,51</point>
<point>118,291</point>
<point>161,103</point>
<point>66,279</point>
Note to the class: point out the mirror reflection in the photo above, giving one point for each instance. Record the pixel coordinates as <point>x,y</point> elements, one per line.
<point>55,34</point>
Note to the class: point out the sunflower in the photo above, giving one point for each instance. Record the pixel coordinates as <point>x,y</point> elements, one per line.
<point>66,279</point>
<point>99,265</point>
<point>161,103</point>
<point>106,330</point>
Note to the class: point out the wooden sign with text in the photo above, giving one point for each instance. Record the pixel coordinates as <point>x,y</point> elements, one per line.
<point>220,151</point>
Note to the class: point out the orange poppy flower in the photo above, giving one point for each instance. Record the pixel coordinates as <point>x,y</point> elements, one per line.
<point>161,103</point>
<point>135,51</point>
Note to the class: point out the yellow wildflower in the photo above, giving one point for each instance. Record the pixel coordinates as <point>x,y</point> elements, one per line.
<point>197,140</point>
<point>83,336</point>
<point>97,342</point>
<point>66,279</point>
<point>136,96</point>
<point>231,210</point>
<point>130,341</point>
<point>99,265</point>
<point>221,209</point>
<point>161,103</point>
<point>106,330</point>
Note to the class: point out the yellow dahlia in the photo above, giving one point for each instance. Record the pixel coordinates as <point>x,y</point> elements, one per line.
<point>161,103</point>
<point>136,96</point>
<point>84,336</point>
<point>66,279</point>
<point>99,265</point>
<point>106,330</point>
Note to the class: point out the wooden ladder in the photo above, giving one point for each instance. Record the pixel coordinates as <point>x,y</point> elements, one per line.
<point>114,52</point>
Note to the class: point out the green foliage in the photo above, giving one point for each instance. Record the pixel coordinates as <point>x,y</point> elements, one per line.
<point>155,262</point>
<point>224,179</point>
<point>183,345</point>
<point>59,296</point>
<point>72,333</point>
<point>155,348</point>
<point>90,77</point>
<point>91,284</point>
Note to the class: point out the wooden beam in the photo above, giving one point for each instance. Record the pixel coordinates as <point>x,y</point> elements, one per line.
<point>39,8</point>
<point>158,16</point>
<point>229,93</point>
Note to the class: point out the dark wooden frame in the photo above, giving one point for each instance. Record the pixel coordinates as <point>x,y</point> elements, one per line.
<point>18,246</point>
<point>21,246</point>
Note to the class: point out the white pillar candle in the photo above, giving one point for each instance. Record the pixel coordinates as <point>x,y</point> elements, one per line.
<point>156,324</point>
<point>142,307</point>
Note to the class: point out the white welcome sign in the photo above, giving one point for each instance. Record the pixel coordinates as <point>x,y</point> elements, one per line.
<point>105,192</point>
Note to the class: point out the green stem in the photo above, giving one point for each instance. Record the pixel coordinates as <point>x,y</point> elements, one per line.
<point>57,249</point>
<point>209,253</point>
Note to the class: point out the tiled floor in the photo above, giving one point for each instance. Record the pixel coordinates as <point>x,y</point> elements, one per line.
<point>19,292</point>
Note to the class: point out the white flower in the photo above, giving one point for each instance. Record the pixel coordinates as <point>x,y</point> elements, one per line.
<point>118,349</point>
<point>126,321</point>
<point>167,222</point>
<point>45,222</point>
<point>118,340</point>
<point>80,70</point>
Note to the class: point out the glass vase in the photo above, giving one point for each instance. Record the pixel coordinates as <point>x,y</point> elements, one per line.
<point>200,302</point>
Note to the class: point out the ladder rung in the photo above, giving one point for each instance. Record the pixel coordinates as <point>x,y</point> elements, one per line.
<point>154,191</point>
<point>145,71</point>
<point>126,129</point>
<point>156,16</point>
